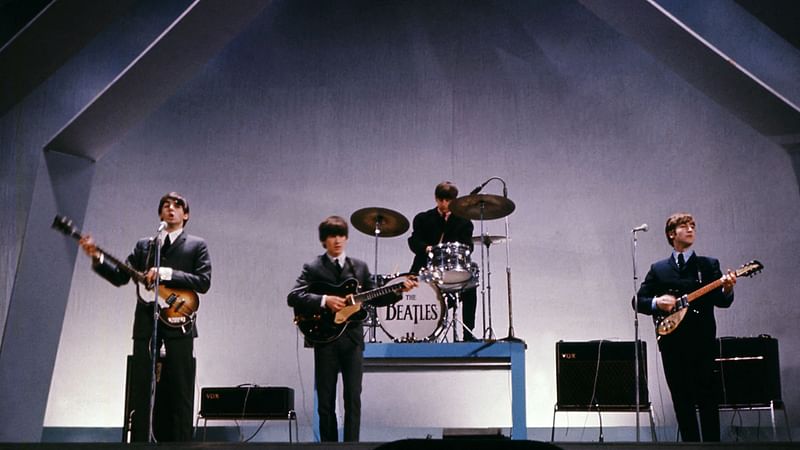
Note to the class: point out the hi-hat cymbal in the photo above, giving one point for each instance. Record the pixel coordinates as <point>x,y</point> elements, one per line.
<point>487,239</point>
<point>482,206</point>
<point>388,223</point>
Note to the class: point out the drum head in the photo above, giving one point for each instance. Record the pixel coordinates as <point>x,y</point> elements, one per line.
<point>417,317</point>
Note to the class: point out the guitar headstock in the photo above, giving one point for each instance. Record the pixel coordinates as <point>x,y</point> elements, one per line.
<point>751,268</point>
<point>64,224</point>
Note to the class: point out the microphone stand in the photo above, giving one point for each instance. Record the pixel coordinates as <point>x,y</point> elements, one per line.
<point>510,337</point>
<point>154,350</point>
<point>636,342</point>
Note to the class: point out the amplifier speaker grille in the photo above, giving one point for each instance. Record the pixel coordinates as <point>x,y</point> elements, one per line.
<point>577,367</point>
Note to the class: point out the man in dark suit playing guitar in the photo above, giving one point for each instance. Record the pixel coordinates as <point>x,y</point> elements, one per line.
<point>687,352</point>
<point>344,353</point>
<point>185,266</point>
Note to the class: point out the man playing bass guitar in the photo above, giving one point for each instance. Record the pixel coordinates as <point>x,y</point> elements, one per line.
<point>688,352</point>
<point>344,353</point>
<point>185,265</point>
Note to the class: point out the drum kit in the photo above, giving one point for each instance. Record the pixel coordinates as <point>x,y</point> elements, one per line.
<point>422,314</point>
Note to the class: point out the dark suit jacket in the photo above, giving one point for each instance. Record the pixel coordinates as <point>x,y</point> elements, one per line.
<point>322,270</point>
<point>429,227</point>
<point>191,269</point>
<point>699,324</point>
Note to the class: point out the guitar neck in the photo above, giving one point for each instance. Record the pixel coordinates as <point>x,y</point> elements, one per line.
<point>744,271</point>
<point>365,297</point>
<point>139,277</point>
<point>704,290</point>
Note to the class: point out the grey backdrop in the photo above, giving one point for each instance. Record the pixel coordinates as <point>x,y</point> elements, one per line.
<point>323,108</point>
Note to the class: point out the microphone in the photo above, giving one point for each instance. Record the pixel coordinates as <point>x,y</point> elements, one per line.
<point>478,189</point>
<point>642,227</point>
<point>161,226</point>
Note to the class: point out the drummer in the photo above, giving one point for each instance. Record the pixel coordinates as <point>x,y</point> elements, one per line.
<point>438,226</point>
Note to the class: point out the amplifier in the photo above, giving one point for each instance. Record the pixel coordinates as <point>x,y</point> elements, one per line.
<point>246,402</point>
<point>599,374</point>
<point>748,371</point>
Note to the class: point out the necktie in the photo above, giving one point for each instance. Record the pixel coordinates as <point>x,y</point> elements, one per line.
<point>338,266</point>
<point>167,244</point>
<point>681,261</point>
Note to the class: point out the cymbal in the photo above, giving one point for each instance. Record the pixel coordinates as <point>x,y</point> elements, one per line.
<point>389,223</point>
<point>482,206</point>
<point>487,239</point>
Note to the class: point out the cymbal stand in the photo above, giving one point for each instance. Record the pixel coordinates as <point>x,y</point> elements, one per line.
<point>487,242</point>
<point>372,318</point>
<point>486,284</point>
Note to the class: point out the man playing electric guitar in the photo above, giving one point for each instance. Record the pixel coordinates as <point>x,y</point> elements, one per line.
<point>345,353</point>
<point>185,264</point>
<point>688,352</point>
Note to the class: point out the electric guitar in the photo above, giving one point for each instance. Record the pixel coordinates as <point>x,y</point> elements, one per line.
<point>666,323</point>
<point>326,326</point>
<point>178,307</point>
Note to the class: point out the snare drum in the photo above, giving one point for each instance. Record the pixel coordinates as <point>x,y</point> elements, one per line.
<point>417,317</point>
<point>451,262</point>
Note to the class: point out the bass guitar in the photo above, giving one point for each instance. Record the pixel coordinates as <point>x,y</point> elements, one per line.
<point>667,323</point>
<point>326,326</point>
<point>178,307</point>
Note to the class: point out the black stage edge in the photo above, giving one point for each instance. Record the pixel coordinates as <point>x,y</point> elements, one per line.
<point>414,444</point>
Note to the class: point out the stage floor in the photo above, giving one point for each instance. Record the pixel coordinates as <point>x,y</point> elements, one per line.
<point>415,444</point>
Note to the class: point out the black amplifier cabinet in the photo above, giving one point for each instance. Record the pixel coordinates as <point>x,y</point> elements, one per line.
<point>246,402</point>
<point>600,374</point>
<point>748,371</point>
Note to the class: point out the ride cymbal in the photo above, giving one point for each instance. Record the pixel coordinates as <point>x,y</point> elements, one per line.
<point>482,207</point>
<point>386,222</point>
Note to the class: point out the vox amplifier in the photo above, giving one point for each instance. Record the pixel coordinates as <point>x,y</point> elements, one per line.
<point>246,402</point>
<point>599,374</point>
<point>748,371</point>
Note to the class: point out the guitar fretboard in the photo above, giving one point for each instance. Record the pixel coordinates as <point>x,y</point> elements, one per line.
<point>375,293</point>
<point>703,290</point>
<point>711,286</point>
<point>65,226</point>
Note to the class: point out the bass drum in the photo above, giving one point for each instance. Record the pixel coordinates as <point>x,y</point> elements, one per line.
<point>417,317</point>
